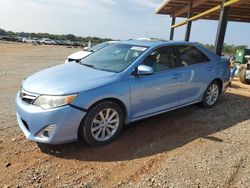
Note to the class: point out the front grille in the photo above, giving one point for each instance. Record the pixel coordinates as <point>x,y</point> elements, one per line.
<point>27,97</point>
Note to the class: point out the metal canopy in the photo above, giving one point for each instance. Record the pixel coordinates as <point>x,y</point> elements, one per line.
<point>222,10</point>
<point>239,10</point>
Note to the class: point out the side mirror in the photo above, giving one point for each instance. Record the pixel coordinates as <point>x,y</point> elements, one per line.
<point>144,70</point>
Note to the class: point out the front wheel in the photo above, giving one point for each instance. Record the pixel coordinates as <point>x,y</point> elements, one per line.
<point>102,123</point>
<point>211,95</point>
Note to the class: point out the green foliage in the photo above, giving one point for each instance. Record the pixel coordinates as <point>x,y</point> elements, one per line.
<point>3,32</point>
<point>209,46</point>
<point>227,48</point>
<point>70,37</point>
<point>10,34</point>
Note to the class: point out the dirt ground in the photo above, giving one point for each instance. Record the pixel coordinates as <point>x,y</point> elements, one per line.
<point>189,147</point>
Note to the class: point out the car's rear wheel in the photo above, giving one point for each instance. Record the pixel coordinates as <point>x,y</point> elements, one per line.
<point>102,124</point>
<point>211,95</point>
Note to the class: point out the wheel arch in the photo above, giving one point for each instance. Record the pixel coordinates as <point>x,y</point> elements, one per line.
<point>112,99</point>
<point>220,82</point>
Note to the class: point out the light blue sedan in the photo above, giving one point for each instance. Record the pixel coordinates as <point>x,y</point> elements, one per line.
<point>130,80</point>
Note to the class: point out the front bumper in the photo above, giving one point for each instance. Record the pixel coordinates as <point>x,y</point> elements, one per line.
<point>32,120</point>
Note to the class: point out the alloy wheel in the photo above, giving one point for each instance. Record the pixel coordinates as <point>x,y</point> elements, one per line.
<point>212,94</point>
<point>105,124</point>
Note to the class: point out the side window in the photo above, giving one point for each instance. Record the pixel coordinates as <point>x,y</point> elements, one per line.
<point>162,59</point>
<point>190,55</point>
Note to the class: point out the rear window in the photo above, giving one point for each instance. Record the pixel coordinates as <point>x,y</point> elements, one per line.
<point>191,55</point>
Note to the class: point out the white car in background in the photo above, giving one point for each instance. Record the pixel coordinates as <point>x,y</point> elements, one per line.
<point>27,40</point>
<point>47,41</point>
<point>81,54</point>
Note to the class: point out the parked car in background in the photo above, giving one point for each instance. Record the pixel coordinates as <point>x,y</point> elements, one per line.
<point>35,41</point>
<point>8,38</point>
<point>19,39</point>
<point>47,41</point>
<point>122,83</point>
<point>76,44</point>
<point>77,56</point>
<point>69,43</point>
<point>60,42</point>
<point>27,40</point>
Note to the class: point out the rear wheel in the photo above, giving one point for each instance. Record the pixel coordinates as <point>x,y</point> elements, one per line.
<point>102,123</point>
<point>211,95</point>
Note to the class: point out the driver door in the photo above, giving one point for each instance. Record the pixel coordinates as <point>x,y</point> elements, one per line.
<point>151,94</point>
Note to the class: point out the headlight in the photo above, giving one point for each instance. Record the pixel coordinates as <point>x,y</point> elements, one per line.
<point>48,102</point>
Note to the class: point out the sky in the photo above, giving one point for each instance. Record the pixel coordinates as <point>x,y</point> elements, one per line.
<point>116,19</point>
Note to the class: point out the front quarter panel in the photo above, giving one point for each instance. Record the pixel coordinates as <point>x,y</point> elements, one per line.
<point>119,90</point>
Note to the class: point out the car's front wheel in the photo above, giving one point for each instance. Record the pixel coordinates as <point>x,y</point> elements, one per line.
<point>102,124</point>
<point>211,95</point>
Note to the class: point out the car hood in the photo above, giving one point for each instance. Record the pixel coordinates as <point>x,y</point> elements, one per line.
<point>66,79</point>
<point>79,55</point>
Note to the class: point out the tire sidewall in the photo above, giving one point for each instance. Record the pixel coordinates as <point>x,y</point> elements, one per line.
<point>85,127</point>
<point>242,76</point>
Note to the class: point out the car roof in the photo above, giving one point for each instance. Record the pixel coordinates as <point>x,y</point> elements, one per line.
<point>154,42</point>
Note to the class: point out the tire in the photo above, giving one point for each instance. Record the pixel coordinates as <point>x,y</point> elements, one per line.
<point>98,126</point>
<point>46,148</point>
<point>209,102</point>
<point>242,76</point>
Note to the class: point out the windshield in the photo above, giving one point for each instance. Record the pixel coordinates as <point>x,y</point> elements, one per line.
<point>114,58</point>
<point>98,47</point>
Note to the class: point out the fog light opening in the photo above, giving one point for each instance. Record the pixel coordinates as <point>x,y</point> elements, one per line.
<point>46,133</point>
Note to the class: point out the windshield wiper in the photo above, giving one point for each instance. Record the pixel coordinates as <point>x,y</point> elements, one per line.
<point>88,65</point>
<point>94,67</point>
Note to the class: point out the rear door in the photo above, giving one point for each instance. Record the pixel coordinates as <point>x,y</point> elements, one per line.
<point>197,71</point>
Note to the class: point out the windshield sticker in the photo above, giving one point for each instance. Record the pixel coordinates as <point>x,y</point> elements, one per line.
<point>138,48</point>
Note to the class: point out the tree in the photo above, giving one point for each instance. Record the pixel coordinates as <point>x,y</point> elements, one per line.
<point>227,49</point>
<point>70,37</point>
<point>2,32</point>
<point>10,34</point>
